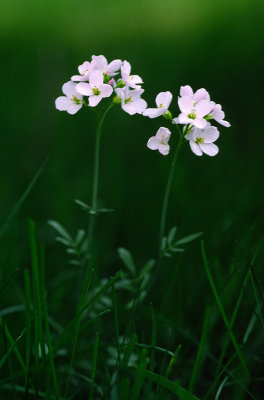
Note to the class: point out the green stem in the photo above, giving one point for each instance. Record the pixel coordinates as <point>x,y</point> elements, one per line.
<point>167,194</point>
<point>100,120</point>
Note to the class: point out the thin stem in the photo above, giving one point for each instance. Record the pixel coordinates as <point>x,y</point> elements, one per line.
<point>100,120</point>
<point>167,194</point>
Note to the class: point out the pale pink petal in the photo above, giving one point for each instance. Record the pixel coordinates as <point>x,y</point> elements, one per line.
<point>209,148</point>
<point>135,93</point>
<point>195,148</point>
<point>185,104</point>
<point>73,108</point>
<point>62,103</point>
<point>196,133</point>
<point>201,94</point>
<point>79,78</point>
<point>94,100</point>
<point>84,68</point>
<point>153,143</point>
<point>203,108</point>
<point>106,90</point>
<point>96,78</point>
<point>163,100</point>
<point>101,62</point>
<point>140,105</point>
<point>224,123</point>
<point>114,66</point>
<point>69,89</point>
<point>189,136</point>
<point>210,134</point>
<point>126,68</point>
<point>186,91</point>
<point>199,123</point>
<point>183,119</point>
<point>84,89</point>
<point>153,112</point>
<point>164,149</point>
<point>129,108</point>
<point>163,134</point>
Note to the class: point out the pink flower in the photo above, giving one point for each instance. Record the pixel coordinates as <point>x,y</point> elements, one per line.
<point>95,89</point>
<point>131,101</point>
<point>133,81</point>
<point>163,101</point>
<point>193,113</point>
<point>201,140</point>
<point>160,141</point>
<point>72,101</point>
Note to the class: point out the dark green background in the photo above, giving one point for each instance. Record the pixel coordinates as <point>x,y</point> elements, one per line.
<point>216,45</point>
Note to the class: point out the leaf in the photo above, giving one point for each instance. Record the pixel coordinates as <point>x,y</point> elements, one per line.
<point>127,259</point>
<point>173,387</point>
<point>188,238</point>
<point>146,268</point>
<point>79,237</point>
<point>171,235</point>
<point>59,228</point>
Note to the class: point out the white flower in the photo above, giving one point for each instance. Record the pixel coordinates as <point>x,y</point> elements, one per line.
<point>131,101</point>
<point>193,113</point>
<point>201,140</point>
<point>160,141</point>
<point>200,94</point>
<point>163,101</point>
<point>218,115</point>
<point>84,69</point>
<point>130,80</point>
<point>72,101</point>
<point>103,66</point>
<point>95,89</point>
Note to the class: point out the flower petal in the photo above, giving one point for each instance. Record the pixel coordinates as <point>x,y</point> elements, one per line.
<point>94,100</point>
<point>96,78</point>
<point>84,89</point>
<point>100,62</point>
<point>153,143</point>
<point>106,90</point>
<point>62,103</point>
<point>199,123</point>
<point>201,94</point>
<point>164,149</point>
<point>163,134</point>
<point>210,134</point>
<point>163,100</point>
<point>153,112</point>
<point>186,91</point>
<point>73,108</point>
<point>203,108</point>
<point>126,68</point>
<point>209,148</point>
<point>185,104</point>
<point>195,148</point>
<point>114,66</point>
<point>140,105</point>
<point>69,89</point>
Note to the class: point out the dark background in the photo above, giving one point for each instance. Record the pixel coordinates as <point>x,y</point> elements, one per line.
<point>216,45</point>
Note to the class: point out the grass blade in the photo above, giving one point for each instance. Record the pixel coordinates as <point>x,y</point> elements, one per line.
<point>198,359</point>
<point>22,199</point>
<point>222,311</point>
<point>140,370</point>
<point>94,365</point>
<point>28,328</point>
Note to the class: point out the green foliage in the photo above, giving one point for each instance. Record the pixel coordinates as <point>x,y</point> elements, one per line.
<point>170,245</point>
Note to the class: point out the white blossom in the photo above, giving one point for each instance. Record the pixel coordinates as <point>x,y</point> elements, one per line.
<point>133,81</point>
<point>131,101</point>
<point>102,65</point>
<point>163,101</point>
<point>201,140</point>
<point>96,89</point>
<point>72,101</point>
<point>193,113</point>
<point>84,69</point>
<point>160,141</point>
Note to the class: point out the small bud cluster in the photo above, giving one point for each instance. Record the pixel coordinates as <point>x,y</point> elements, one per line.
<point>98,80</point>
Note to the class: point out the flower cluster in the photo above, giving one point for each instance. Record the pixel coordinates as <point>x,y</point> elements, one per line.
<point>197,110</point>
<point>98,80</point>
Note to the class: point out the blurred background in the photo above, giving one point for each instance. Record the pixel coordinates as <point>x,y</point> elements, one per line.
<point>216,45</point>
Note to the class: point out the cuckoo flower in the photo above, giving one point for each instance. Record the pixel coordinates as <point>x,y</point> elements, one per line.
<point>95,89</point>
<point>160,141</point>
<point>163,101</point>
<point>200,94</point>
<point>130,80</point>
<point>103,66</point>
<point>193,113</point>
<point>84,69</point>
<point>218,115</point>
<point>201,140</point>
<point>72,101</point>
<point>131,101</point>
